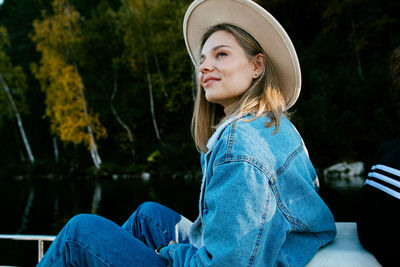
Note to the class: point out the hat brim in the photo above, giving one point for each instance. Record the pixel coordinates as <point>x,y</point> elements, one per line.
<point>203,14</point>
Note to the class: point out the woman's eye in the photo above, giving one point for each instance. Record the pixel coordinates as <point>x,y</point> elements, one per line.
<point>221,54</point>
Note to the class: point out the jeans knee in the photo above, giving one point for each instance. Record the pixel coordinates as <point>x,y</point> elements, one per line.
<point>83,219</point>
<point>147,210</point>
<point>148,207</point>
<point>82,222</point>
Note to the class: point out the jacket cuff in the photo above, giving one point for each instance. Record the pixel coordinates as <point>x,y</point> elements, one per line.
<point>167,252</point>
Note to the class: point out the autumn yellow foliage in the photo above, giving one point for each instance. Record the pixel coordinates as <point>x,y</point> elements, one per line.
<point>66,106</point>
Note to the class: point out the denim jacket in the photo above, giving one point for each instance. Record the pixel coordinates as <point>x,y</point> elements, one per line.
<point>259,204</point>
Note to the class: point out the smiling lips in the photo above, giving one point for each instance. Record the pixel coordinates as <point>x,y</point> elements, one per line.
<point>208,80</point>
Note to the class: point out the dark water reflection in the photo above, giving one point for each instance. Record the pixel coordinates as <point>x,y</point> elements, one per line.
<point>43,206</point>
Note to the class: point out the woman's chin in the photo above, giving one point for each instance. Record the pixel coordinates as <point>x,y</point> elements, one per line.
<point>212,99</point>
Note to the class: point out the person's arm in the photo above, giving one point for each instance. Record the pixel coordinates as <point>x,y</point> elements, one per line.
<point>239,214</point>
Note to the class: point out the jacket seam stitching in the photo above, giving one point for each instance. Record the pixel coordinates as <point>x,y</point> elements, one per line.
<point>272,178</point>
<point>230,139</point>
<point>260,232</point>
<point>289,159</point>
<point>264,216</point>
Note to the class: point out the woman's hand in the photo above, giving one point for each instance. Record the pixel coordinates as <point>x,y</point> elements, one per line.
<point>158,249</point>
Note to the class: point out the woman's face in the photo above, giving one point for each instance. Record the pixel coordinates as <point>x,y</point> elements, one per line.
<point>225,72</point>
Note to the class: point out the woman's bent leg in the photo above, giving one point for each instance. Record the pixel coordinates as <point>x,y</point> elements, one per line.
<point>156,225</point>
<point>91,240</point>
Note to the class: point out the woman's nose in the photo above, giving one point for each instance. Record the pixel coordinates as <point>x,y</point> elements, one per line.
<point>206,66</point>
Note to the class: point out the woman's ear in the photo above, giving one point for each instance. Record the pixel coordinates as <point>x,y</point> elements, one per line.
<point>259,64</point>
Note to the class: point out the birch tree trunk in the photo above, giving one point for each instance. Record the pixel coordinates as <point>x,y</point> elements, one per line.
<point>150,85</point>
<point>155,57</point>
<point>55,147</point>
<point>119,120</point>
<point>19,120</point>
<point>93,147</point>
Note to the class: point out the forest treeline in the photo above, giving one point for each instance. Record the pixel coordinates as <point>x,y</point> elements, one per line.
<point>106,86</point>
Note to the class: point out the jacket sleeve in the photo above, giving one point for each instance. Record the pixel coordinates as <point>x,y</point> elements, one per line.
<point>238,212</point>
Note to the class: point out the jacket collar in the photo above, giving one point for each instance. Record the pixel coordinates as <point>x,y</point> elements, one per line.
<point>215,136</point>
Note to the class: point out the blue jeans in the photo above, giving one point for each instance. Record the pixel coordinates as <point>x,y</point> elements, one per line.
<point>91,240</point>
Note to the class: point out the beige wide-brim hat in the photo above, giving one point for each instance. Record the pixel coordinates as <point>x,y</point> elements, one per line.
<point>245,14</point>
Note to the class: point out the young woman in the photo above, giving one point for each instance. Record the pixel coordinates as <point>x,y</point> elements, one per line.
<point>258,203</point>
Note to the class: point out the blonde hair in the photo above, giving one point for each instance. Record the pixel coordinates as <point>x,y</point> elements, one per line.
<point>262,97</point>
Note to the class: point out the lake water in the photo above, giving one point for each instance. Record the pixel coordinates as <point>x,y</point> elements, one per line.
<point>43,206</point>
